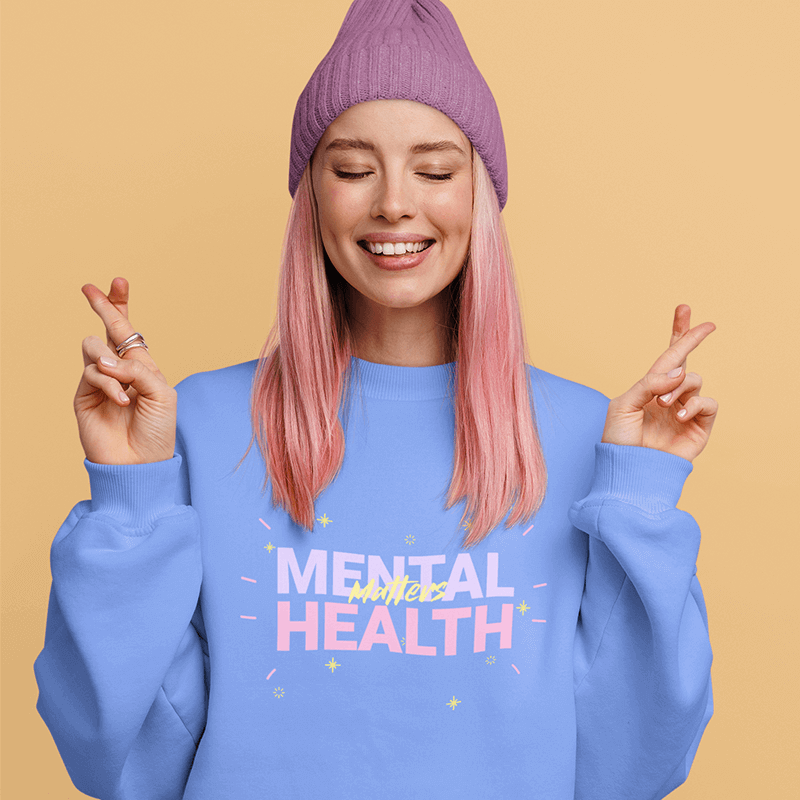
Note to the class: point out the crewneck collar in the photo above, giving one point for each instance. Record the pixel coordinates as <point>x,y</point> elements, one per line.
<point>390,382</point>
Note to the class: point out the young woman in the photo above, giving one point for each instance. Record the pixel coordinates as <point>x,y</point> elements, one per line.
<point>389,557</point>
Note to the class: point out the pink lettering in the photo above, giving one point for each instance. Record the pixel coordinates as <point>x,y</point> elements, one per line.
<point>412,635</point>
<point>308,626</point>
<point>380,616</point>
<point>333,626</point>
<point>451,616</point>
<point>503,627</point>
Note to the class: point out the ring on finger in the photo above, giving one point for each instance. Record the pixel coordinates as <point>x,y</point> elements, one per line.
<point>124,350</point>
<point>136,340</point>
<point>132,338</point>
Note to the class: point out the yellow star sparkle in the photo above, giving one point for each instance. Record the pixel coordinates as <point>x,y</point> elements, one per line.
<point>332,664</point>
<point>324,520</point>
<point>467,524</point>
<point>490,659</point>
<point>269,547</point>
<point>523,607</point>
<point>410,539</point>
<point>453,703</point>
<point>277,691</point>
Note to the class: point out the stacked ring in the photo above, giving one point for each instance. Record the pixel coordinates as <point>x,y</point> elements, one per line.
<point>137,340</point>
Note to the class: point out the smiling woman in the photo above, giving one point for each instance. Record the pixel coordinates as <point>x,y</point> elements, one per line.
<point>454,302</point>
<point>405,445</point>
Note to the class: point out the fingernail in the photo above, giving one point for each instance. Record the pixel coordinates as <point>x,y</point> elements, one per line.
<point>666,397</point>
<point>673,373</point>
<point>108,362</point>
<point>682,412</point>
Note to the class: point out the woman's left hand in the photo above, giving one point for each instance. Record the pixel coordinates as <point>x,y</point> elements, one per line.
<point>644,418</point>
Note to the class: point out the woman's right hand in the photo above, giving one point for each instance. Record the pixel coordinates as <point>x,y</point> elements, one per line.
<point>126,410</point>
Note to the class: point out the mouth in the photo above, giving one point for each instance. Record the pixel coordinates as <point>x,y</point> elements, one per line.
<point>364,245</point>
<point>398,261</point>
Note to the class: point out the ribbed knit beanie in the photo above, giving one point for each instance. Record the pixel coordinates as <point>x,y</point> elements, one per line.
<point>400,49</point>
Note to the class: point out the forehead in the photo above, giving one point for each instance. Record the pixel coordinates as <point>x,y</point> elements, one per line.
<point>391,124</point>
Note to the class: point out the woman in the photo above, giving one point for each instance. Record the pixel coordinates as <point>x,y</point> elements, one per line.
<point>361,631</point>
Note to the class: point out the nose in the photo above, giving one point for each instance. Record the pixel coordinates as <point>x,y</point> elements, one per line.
<point>394,197</point>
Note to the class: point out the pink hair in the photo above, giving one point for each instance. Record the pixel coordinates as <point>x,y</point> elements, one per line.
<point>303,372</point>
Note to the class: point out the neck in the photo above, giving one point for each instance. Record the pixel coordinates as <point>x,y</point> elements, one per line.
<point>419,336</point>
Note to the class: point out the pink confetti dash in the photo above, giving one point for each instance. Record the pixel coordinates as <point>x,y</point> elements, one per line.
<point>271,674</point>
<point>264,524</point>
<point>242,616</point>
<point>538,620</point>
<point>539,585</point>
<point>248,579</point>
<point>515,667</point>
<point>528,530</point>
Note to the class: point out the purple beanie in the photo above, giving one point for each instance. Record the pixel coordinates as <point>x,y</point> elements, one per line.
<point>400,49</point>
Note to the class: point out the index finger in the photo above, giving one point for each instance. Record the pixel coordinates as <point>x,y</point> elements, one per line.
<point>118,326</point>
<point>682,342</point>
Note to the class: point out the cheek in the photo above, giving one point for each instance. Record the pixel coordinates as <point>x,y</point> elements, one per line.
<point>339,208</point>
<point>454,211</point>
<point>332,216</point>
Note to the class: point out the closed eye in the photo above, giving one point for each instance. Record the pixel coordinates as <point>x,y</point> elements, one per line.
<point>355,175</point>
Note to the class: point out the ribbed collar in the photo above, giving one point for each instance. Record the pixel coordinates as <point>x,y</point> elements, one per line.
<point>389,382</point>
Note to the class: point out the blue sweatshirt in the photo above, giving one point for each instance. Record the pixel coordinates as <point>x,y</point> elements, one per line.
<point>201,645</point>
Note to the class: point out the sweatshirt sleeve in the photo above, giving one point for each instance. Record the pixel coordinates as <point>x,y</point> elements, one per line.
<point>123,675</point>
<point>642,651</point>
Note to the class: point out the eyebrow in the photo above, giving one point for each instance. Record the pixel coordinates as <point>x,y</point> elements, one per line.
<point>443,145</point>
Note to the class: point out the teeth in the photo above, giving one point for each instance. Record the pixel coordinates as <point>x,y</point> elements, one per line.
<point>396,248</point>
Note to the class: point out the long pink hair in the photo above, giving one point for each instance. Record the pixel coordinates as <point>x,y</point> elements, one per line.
<point>303,373</point>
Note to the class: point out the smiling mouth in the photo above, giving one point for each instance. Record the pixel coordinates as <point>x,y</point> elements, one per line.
<point>364,246</point>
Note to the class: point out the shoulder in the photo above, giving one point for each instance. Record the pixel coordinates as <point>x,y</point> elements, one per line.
<point>565,389</point>
<point>567,402</point>
<point>214,414</point>
<point>224,386</point>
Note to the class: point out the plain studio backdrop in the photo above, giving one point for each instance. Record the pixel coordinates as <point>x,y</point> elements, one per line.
<point>652,152</point>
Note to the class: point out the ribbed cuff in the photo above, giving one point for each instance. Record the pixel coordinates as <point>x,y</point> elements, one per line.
<point>642,476</point>
<point>134,494</point>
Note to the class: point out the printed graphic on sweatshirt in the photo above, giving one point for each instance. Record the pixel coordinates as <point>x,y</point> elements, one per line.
<point>420,605</point>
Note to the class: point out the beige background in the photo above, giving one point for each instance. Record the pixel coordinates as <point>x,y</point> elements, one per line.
<point>652,150</point>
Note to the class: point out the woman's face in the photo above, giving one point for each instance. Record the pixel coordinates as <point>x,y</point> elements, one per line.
<point>394,170</point>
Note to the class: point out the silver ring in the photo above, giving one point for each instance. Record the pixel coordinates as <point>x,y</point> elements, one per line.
<point>131,338</point>
<point>123,346</point>
<point>122,350</point>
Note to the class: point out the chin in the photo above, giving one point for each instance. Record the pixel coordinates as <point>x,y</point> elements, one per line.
<point>409,299</point>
